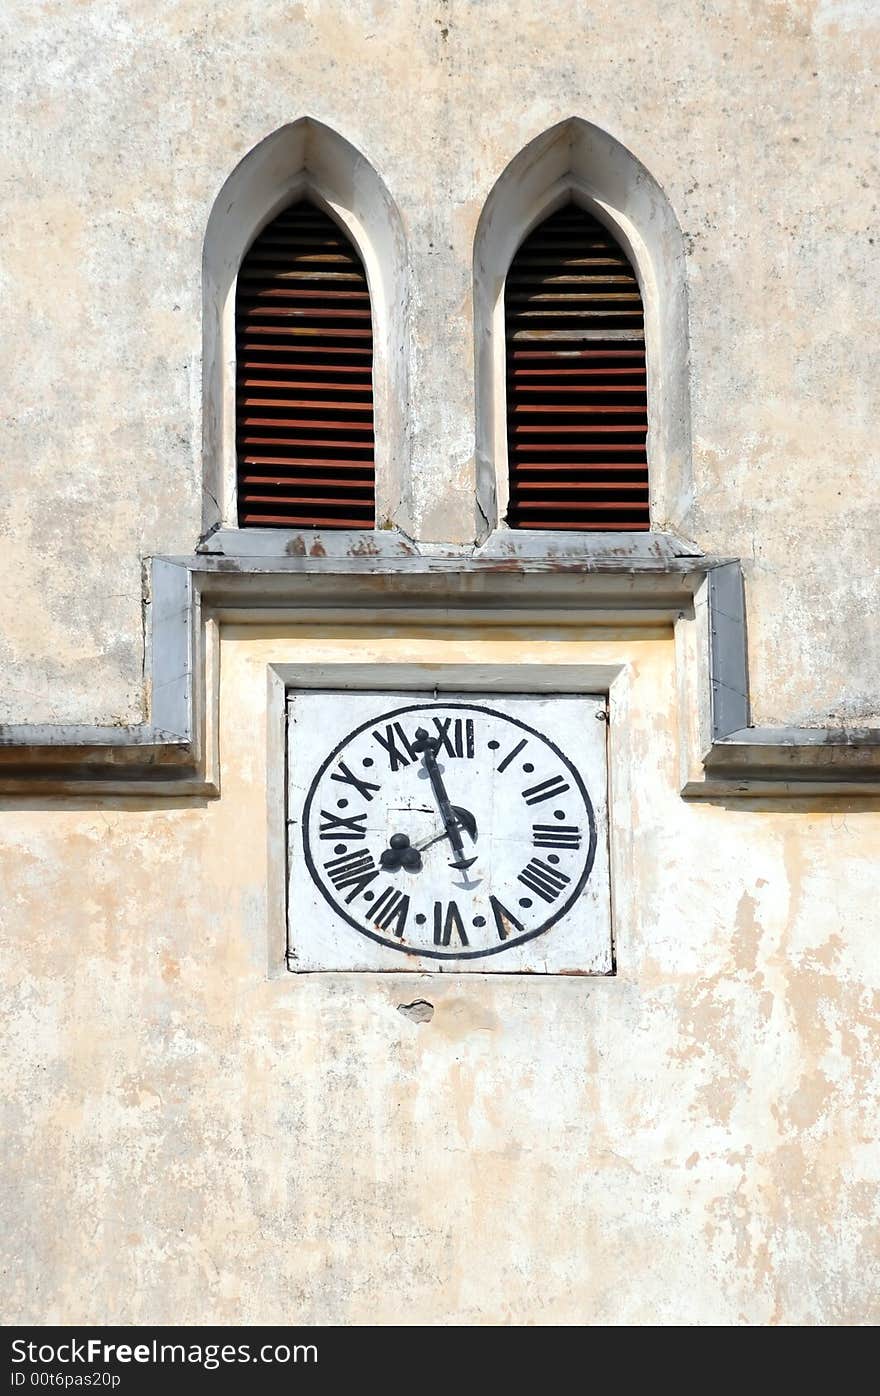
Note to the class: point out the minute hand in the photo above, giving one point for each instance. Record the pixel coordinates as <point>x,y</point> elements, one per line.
<point>428,748</point>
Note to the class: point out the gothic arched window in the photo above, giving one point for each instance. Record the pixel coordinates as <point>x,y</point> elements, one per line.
<point>304,380</point>
<point>577,409</point>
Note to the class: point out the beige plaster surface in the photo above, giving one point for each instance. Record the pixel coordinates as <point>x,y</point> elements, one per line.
<point>194,1135</point>
<point>122,119</point>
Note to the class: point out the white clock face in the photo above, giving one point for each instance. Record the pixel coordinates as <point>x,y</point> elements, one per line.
<point>446,831</point>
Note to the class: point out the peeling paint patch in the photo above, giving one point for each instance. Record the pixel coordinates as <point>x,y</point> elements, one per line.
<point>419,1011</point>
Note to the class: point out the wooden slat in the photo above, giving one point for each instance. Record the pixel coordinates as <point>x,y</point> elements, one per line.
<point>300,519</point>
<point>304,378</point>
<point>573,335</point>
<point>314,404</point>
<point>309,462</point>
<point>581,486</point>
<point>558,467</point>
<point>592,526</point>
<point>577,401</point>
<point>300,332</point>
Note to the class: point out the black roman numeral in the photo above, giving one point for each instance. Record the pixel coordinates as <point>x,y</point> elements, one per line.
<point>391,909</point>
<point>345,777</point>
<point>355,870</point>
<point>334,826</point>
<point>504,919</point>
<point>503,765</point>
<point>458,742</point>
<point>547,790</point>
<point>539,877</point>
<point>444,926</point>
<point>397,755</point>
<point>556,836</point>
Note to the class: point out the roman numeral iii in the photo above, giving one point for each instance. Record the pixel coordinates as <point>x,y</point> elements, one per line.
<point>556,836</point>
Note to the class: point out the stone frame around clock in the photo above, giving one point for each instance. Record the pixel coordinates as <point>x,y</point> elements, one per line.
<point>482,703</point>
<point>584,680</point>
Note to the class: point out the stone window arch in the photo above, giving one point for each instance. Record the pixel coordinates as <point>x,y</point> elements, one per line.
<point>577,164</point>
<point>304,377</point>
<point>304,161</point>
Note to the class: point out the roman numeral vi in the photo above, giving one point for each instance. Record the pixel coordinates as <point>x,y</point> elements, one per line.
<point>444,926</point>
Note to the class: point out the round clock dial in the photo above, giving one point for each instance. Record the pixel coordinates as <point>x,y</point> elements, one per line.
<point>448,830</point>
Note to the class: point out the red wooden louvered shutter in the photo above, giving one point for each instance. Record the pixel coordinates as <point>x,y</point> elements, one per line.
<point>304,361</point>
<point>577,409</point>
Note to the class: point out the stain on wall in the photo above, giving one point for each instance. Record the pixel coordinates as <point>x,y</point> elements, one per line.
<point>692,1141</point>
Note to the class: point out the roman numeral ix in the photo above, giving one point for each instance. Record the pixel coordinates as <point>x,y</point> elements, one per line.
<point>539,877</point>
<point>556,836</point>
<point>547,790</point>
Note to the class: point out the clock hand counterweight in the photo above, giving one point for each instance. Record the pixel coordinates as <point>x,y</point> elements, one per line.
<point>429,747</point>
<point>401,853</point>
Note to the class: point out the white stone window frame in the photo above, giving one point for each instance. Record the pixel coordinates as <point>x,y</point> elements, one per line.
<point>577,161</point>
<point>302,159</point>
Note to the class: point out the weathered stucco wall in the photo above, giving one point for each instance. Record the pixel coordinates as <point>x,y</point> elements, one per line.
<point>196,1139</point>
<point>123,119</point>
<point>193,1134</point>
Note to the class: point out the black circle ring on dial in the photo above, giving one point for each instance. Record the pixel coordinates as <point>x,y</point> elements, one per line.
<point>440,954</point>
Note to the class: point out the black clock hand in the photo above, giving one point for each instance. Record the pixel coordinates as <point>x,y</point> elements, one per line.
<point>400,853</point>
<point>464,820</point>
<point>429,748</point>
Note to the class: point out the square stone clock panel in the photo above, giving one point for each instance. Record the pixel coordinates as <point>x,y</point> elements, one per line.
<point>466,832</point>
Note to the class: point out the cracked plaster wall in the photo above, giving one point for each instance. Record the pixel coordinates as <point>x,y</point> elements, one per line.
<point>189,1139</point>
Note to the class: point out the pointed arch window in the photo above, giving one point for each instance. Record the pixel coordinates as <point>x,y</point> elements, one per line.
<point>577,409</point>
<point>304,383</point>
